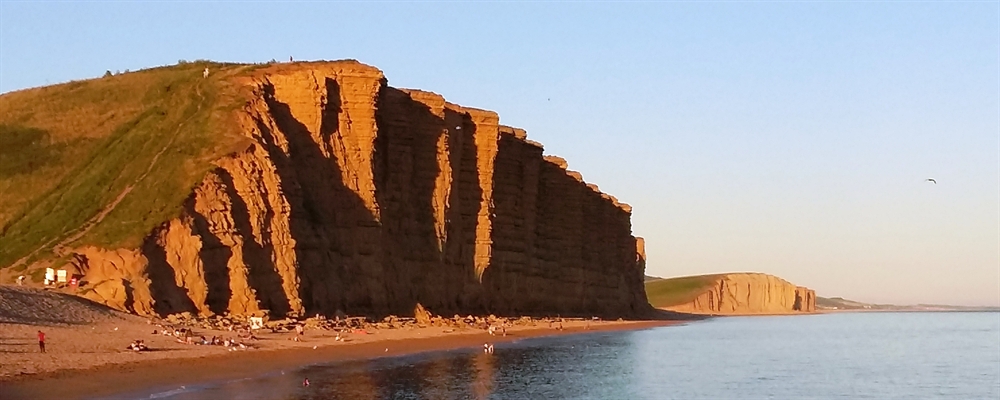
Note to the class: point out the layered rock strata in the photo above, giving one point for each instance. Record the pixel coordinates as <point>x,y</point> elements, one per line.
<point>356,197</point>
<point>750,293</point>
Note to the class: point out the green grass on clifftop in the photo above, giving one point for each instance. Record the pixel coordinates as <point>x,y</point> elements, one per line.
<point>675,291</point>
<point>69,151</point>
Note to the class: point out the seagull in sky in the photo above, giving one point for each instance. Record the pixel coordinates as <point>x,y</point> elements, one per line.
<point>931,180</point>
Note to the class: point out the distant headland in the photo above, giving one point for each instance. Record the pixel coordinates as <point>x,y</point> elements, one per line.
<point>742,293</point>
<point>752,293</point>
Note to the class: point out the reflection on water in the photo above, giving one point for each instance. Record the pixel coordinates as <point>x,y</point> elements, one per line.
<point>434,376</point>
<point>843,356</point>
<point>467,374</point>
<point>483,384</point>
<point>534,368</point>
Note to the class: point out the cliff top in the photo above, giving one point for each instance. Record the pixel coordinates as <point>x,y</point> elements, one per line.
<point>102,162</point>
<point>137,140</point>
<point>665,292</point>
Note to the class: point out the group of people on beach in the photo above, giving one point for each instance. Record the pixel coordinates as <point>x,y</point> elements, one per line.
<point>493,329</point>
<point>137,345</point>
<point>181,335</point>
<point>186,336</point>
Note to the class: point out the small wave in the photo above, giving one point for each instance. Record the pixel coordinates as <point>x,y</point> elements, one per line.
<point>169,393</point>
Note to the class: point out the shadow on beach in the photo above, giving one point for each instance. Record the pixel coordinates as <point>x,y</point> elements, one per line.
<point>30,306</point>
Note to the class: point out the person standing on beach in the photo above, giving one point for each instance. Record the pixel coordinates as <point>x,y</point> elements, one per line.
<point>41,341</point>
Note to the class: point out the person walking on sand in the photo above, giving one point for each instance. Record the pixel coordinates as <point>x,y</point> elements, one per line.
<point>41,341</point>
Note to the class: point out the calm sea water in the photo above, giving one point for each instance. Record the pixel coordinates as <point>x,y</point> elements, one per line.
<point>831,356</point>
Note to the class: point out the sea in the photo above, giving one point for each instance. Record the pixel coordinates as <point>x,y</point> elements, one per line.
<point>876,355</point>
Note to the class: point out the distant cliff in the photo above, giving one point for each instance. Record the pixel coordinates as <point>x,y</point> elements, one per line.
<point>731,294</point>
<point>352,196</point>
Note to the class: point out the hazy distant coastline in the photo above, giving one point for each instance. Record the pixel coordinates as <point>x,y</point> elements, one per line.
<point>833,304</point>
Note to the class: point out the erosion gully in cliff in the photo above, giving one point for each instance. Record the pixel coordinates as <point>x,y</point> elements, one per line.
<point>355,197</point>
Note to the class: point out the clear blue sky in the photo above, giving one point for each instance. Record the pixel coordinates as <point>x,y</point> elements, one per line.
<point>790,138</point>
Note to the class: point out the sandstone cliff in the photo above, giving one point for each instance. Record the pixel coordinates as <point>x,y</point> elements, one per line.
<point>738,294</point>
<point>352,196</point>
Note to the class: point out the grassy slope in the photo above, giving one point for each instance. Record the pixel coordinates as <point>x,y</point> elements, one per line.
<point>674,291</point>
<point>68,151</point>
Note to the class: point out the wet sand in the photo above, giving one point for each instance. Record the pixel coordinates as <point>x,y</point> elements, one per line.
<point>96,371</point>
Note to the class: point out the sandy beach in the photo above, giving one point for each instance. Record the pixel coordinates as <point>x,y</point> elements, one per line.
<point>86,356</point>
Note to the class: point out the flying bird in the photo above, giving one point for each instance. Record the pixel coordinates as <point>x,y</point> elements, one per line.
<point>931,180</point>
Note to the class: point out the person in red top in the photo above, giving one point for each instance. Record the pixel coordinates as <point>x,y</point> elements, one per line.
<point>41,341</point>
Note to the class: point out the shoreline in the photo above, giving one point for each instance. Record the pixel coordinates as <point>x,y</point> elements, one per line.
<point>971,310</point>
<point>745,314</point>
<point>828,311</point>
<point>136,376</point>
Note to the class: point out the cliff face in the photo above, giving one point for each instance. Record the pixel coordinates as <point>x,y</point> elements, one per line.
<point>357,197</point>
<point>750,293</point>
